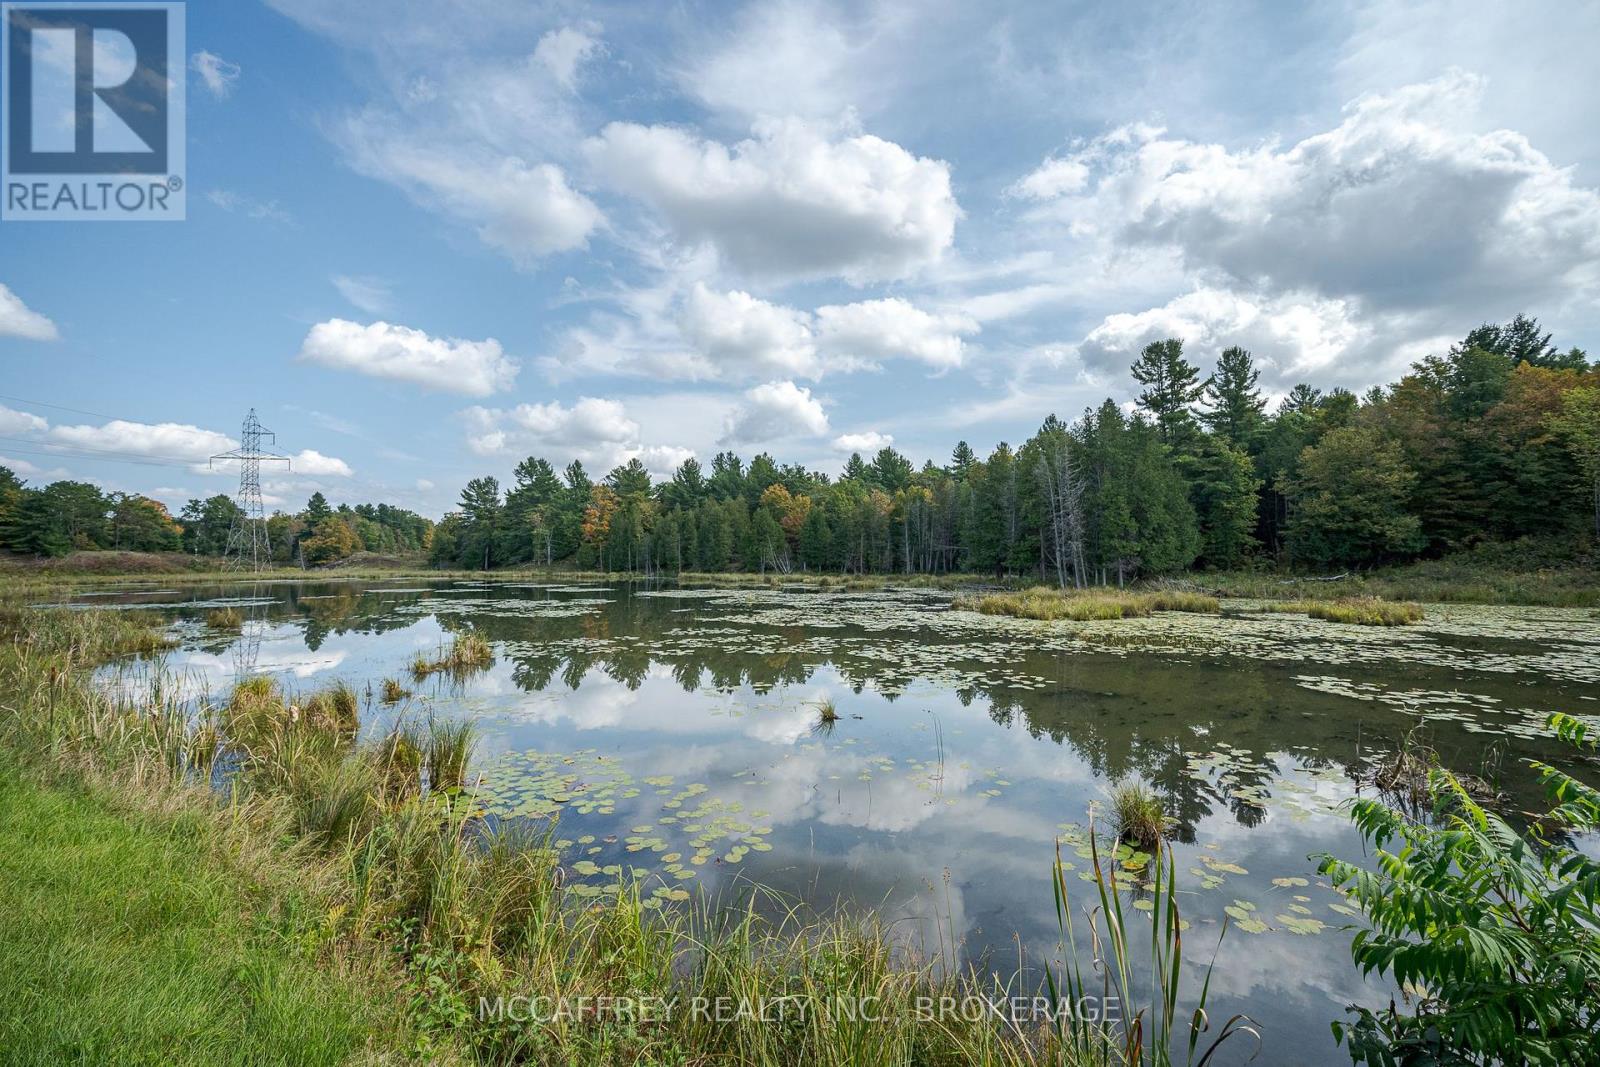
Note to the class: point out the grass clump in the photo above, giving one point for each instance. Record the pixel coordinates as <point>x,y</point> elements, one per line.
<point>393,692</point>
<point>1136,811</point>
<point>468,652</point>
<point>1358,611</point>
<point>1366,611</point>
<point>1050,604</point>
<point>224,619</point>
<point>450,743</point>
<point>259,715</point>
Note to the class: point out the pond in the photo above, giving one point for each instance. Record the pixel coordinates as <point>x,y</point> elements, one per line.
<point>677,729</point>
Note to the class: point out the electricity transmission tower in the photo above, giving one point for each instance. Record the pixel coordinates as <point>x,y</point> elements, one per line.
<point>247,536</point>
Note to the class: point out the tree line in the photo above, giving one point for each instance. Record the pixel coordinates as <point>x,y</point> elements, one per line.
<point>1497,439</point>
<point>69,516</point>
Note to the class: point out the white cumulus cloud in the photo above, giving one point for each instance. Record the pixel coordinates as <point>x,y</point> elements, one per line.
<point>597,431</point>
<point>311,462</point>
<point>16,320</point>
<point>1403,204</point>
<point>866,443</point>
<point>13,422</point>
<point>163,440</point>
<point>776,410</point>
<point>893,329</point>
<point>789,201</point>
<point>399,353</point>
<point>525,210</point>
<point>742,334</point>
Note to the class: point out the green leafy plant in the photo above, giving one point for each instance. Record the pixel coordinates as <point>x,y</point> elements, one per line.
<point>1494,934</point>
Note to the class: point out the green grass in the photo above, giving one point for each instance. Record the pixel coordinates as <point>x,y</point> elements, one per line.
<point>122,941</point>
<point>1367,611</point>
<point>1357,611</point>
<point>1049,604</point>
<point>1550,573</point>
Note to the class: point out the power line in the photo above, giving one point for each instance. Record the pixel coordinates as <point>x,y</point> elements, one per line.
<point>90,452</point>
<point>58,407</point>
<point>106,459</point>
<point>109,455</point>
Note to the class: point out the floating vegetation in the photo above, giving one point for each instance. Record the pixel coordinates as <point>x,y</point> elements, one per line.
<point>393,692</point>
<point>468,652</point>
<point>1048,603</point>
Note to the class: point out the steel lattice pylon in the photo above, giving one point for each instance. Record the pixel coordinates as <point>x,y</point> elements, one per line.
<point>247,537</point>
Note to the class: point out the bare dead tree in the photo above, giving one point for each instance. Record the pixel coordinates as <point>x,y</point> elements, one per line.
<point>1064,521</point>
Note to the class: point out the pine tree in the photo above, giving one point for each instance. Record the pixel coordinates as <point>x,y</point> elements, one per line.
<point>962,459</point>
<point>1171,384</point>
<point>1237,410</point>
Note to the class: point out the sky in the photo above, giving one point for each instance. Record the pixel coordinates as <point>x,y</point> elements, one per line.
<point>428,238</point>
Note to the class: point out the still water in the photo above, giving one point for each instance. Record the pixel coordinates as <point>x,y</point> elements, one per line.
<point>676,729</point>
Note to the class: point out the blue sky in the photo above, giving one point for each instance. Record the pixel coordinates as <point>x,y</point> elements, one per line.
<point>426,239</point>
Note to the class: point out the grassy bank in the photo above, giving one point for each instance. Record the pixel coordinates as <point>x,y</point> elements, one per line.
<point>1532,574</point>
<point>129,937</point>
<point>1528,573</point>
<point>369,863</point>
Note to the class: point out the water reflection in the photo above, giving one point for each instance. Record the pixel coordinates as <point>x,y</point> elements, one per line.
<point>963,746</point>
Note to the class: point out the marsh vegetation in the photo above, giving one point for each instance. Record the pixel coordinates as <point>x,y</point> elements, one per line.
<point>1049,603</point>
<point>641,756</point>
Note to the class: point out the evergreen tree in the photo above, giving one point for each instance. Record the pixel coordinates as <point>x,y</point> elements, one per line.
<point>1237,410</point>
<point>480,513</point>
<point>890,471</point>
<point>688,485</point>
<point>727,476</point>
<point>962,459</point>
<point>816,540</point>
<point>1171,384</point>
<point>1222,488</point>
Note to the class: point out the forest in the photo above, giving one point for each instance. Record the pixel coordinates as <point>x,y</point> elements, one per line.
<point>1496,440</point>
<point>72,516</point>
